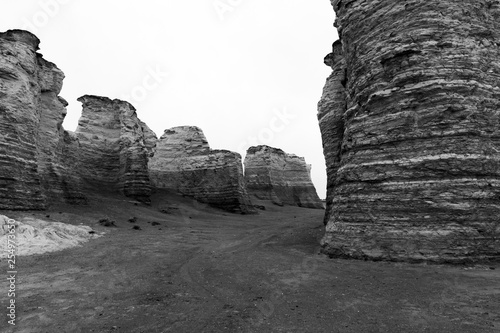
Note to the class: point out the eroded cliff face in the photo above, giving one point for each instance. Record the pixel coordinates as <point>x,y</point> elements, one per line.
<point>40,162</point>
<point>415,173</point>
<point>114,146</point>
<point>184,162</point>
<point>33,169</point>
<point>271,174</point>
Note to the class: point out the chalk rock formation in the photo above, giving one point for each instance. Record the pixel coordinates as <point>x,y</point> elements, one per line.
<point>114,146</point>
<point>184,162</point>
<point>272,174</point>
<point>411,131</point>
<point>32,164</point>
<point>331,109</point>
<point>40,162</point>
<point>56,166</point>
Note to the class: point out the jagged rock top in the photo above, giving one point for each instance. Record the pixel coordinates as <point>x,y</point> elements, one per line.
<point>183,141</point>
<point>263,149</point>
<point>101,114</point>
<point>23,36</point>
<point>100,100</point>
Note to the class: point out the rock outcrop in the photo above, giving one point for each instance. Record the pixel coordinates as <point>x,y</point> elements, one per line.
<point>33,167</point>
<point>40,162</point>
<point>114,146</point>
<point>271,174</point>
<point>411,131</point>
<point>183,162</point>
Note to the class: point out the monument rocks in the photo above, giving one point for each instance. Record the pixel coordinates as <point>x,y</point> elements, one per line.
<point>411,131</point>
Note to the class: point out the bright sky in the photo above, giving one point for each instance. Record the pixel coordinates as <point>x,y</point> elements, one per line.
<point>247,72</point>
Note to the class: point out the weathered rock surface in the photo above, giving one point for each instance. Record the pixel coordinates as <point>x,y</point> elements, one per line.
<point>32,166</point>
<point>331,109</point>
<point>56,166</point>
<point>114,146</point>
<point>415,172</point>
<point>184,162</point>
<point>272,174</point>
<point>40,162</point>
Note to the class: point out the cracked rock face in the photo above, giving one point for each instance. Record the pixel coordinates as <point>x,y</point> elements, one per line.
<point>410,119</point>
<point>184,162</point>
<point>271,174</point>
<point>33,168</point>
<point>114,146</point>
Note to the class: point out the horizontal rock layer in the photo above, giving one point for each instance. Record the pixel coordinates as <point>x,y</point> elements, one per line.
<point>417,174</point>
<point>184,162</point>
<point>272,174</point>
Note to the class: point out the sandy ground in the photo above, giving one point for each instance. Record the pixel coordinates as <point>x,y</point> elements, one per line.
<point>192,268</point>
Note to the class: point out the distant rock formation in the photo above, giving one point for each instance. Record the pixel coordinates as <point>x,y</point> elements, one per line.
<point>184,162</point>
<point>114,146</point>
<point>34,170</point>
<point>411,131</point>
<point>271,174</point>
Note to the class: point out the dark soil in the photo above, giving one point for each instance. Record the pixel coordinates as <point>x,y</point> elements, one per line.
<point>204,270</point>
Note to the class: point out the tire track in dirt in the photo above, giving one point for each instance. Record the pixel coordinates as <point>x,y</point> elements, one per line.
<point>194,273</point>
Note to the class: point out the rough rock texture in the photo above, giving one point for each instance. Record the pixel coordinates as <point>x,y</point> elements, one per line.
<point>19,117</point>
<point>331,109</point>
<point>40,162</point>
<point>184,162</point>
<point>32,165</point>
<point>417,174</point>
<point>114,146</point>
<point>272,174</point>
<point>150,139</point>
<point>56,167</point>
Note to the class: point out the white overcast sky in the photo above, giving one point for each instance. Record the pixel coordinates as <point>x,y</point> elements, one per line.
<point>247,72</point>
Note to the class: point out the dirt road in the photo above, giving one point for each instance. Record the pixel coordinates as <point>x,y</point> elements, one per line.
<point>196,269</point>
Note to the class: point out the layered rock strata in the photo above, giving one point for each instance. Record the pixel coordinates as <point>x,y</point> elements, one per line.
<point>183,162</point>
<point>411,131</point>
<point>271,174</point>
<point>40,162</point>
<point>33,168</point>
<point>114,146</point>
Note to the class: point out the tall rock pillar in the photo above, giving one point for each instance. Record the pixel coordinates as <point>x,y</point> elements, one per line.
<point>114,146</point>
<point>20,185</point>
<point>414,158</point>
